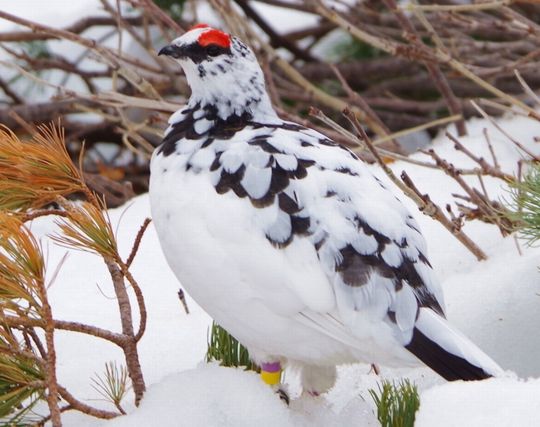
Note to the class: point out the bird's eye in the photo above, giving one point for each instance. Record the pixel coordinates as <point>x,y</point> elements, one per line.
<point>213,50</point>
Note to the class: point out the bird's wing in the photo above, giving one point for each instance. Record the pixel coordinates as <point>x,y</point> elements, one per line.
<point>375,259</point>
<point>307,187</point>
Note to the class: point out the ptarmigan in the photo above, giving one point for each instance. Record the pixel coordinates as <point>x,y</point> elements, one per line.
<point>286,239</point>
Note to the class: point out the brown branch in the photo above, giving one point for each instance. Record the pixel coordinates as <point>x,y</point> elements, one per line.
<point>118,339</point>
<point>137,241</point>
<point>140,301</point>
<point>126,319</point>
<point>153,10</point>
<point>487,211</point>
<point>37,342</point>
<point>491,150</point>
<point>361,103</point>
<point>486,168</point>
<point>50,359</point>
<point>276,40</point>
<point>39,112</point>
<point>434,71</point>
<point>108,55</point>
<point>76,28</point>
<point>115,193</point>
<point>29,216</point>
<point>182,298</point>
<point>83,407</point>
<point>11,93</point>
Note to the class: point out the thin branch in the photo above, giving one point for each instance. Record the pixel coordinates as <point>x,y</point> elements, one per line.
<point>83,407</point>
<point>137,241</point>
<point>486,168</point>
<point>500,129</point>
<point>459,8</point>
<point>435,72</point>
<point>75,28</point>
<point>118,339</point>
<point>359,100</point>
<point>52,381</point>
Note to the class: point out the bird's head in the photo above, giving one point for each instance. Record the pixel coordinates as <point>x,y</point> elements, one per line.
<point>221,71</point>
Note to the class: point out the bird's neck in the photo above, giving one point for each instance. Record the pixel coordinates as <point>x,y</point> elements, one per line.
<point>258,108</point>
<point>232,94</point>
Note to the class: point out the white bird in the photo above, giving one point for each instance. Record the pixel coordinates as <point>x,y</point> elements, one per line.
<point>286,239</point>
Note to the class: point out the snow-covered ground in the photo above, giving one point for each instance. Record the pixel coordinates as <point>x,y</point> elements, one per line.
<point>495,302</point>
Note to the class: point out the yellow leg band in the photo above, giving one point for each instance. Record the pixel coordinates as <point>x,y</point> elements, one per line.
<point>271,378</point>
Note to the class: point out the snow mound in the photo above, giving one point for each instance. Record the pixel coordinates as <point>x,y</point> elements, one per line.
<point>209,396</point>
<point>496,402</point>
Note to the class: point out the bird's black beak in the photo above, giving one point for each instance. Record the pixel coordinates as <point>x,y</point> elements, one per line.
<point>171,50</point>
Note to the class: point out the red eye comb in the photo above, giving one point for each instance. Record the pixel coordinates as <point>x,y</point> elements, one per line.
<point>215,37</point>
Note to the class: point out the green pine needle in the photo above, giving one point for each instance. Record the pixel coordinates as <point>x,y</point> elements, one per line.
<point>225,349</point>
<point>396,404</point>
<point>20,389</point>
<point>525,202</point>
<point>113,386</point>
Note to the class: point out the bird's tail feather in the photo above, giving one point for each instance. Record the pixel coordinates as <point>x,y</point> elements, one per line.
<point>447,351</point>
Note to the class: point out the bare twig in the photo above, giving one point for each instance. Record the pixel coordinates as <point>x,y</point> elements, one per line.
<point>486,168</point>
<point>83,407</point>
<point>182,298</point>
<point>435,72</point>
<point>137,241</point>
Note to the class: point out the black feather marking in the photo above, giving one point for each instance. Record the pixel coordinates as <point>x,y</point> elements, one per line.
<point>239,190</point>
<point>301,169</point>
<point>201,70</point>
<point>279,181</point>
<point>288,204</point>
<point>408,273</point>
<point>217,162</point>
<point>403,243</point>
<point>355,268</point>
<point>382,240</point>
<point>280,245</point>
<point>262,141</point>
<point>423,258</point>
<point>346,171</point>
<point>426,299</point>
<point>300,225</point>
<point>447,365</point>
<point>264,201</point>
<point>320,243</point>
<point>326,141</point>
<point>229,181</point>
<point>207,142</point>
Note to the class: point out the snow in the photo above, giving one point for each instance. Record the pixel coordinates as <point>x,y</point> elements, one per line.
<point>502,402</point>
<point>234,399</point>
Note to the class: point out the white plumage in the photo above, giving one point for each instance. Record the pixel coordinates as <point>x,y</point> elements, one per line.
<point>286,239</point>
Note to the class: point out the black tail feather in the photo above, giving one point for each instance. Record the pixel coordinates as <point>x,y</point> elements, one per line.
<point>447,365</point>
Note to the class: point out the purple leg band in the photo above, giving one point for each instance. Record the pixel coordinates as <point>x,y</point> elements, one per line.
<point>271,367</point>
